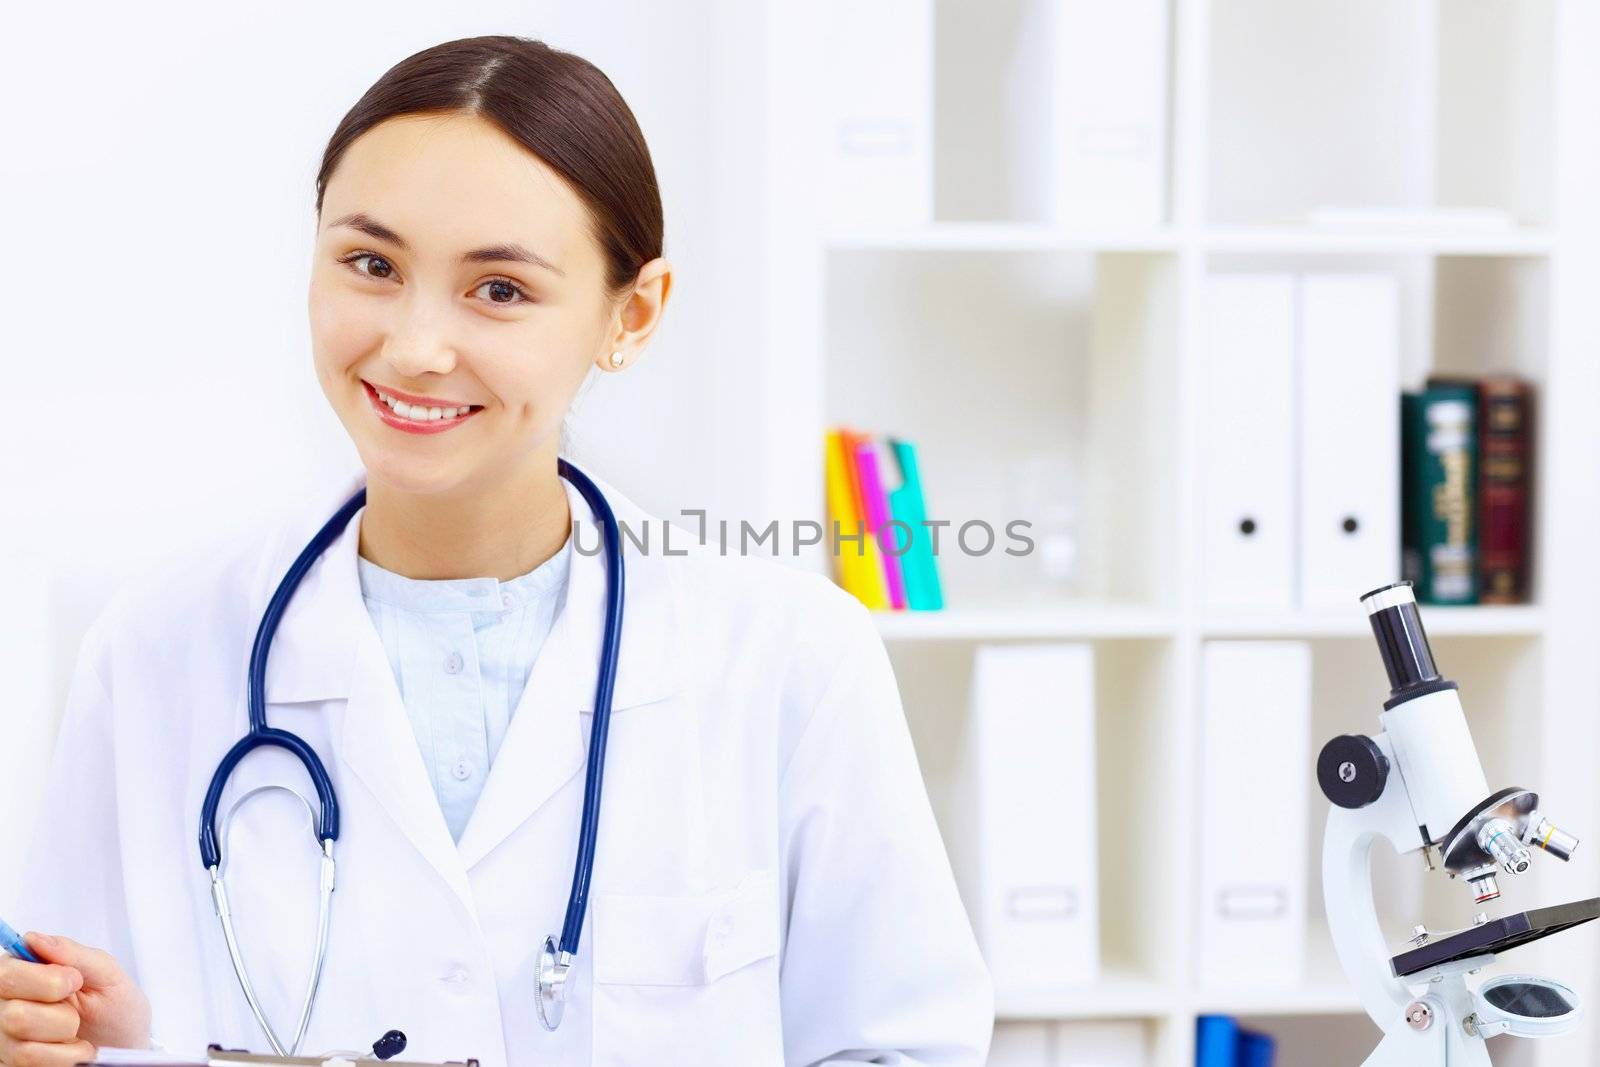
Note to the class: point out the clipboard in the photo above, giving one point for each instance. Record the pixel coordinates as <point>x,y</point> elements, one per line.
<point>221,1057</point>
<point>217,1056</point>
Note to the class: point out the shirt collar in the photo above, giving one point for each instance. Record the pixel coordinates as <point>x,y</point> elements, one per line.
<point>429,595</point>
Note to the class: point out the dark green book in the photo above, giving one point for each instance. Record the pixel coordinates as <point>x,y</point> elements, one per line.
<point>1439,488</point>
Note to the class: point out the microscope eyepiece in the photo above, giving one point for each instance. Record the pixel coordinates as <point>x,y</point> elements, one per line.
<point>1402,642</point>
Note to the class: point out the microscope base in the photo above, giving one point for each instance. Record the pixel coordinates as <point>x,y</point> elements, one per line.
<point>1444,1042</point>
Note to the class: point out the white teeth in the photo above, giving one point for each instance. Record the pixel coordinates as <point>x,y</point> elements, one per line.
<point>418,413</point>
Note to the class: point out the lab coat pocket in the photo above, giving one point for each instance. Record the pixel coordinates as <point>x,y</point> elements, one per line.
<point>693,977</point>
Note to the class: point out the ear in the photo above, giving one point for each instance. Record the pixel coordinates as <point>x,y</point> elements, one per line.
<point>637,316</point>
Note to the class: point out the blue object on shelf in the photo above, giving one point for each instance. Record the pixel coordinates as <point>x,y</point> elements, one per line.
<point>1256,1050</point>
<point>1216,1041</point>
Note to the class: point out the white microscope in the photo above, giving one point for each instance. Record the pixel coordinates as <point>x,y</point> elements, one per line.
<point>1420,786</point>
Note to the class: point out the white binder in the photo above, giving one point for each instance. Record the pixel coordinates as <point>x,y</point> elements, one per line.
<point>1088,112</point>
<point>1349,437</point>
<point>1255,786</point>
<point>1030,775</point>
<point>1247,443</point>
<point>878,84</point>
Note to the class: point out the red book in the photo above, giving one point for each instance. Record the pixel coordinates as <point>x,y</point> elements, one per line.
<point>1504,455</point>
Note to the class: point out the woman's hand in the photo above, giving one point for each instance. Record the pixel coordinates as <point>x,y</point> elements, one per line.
<point>59,1012</point>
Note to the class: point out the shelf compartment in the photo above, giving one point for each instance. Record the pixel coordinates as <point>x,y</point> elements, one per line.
<point>1081,421</point>
<point>1317,1039</point>
<point>995,74</point>
<point>1312,1040</point>
<point>1134,745</point>
<point>1369,104</point>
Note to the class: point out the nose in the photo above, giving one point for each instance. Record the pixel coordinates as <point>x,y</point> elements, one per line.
<point>419,340</point>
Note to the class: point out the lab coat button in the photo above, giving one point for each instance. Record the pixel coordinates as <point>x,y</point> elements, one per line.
<point>454,976</point>
<point>462,770</point>
<point>452,663</point>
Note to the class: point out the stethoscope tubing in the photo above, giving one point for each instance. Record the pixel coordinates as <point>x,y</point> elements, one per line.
<point>610,642</point>
<point>262,734</point>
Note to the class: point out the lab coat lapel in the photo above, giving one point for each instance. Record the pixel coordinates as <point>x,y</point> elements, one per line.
<point>326,647</point>
<point>377,742</point>
<point>545,745</point>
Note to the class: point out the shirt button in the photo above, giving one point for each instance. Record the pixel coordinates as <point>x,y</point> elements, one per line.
<point>452,663</point>
<point>462,770</point>
<point>454,976</point>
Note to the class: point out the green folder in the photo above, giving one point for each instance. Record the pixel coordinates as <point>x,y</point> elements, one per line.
<point>919,569</point>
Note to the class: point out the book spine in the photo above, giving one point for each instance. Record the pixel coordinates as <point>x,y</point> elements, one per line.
<point>876,507</point>
<point>1504,442</point>
<point>863,543</point>
<point>1412,437</point>
<point>1445,494</point>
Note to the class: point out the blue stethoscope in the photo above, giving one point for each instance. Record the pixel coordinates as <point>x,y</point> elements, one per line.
<point>555,961</point>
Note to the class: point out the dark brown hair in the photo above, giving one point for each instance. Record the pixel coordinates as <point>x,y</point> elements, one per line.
<point>558,106</point>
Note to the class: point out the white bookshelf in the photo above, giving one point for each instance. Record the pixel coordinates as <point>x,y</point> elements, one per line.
<point>989,338</point>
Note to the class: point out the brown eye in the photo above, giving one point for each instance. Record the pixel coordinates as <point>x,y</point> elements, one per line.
<point>503,291</point>
<point>383,269</point>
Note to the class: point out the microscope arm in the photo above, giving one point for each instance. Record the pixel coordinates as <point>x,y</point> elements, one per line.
<point>1347,891</point>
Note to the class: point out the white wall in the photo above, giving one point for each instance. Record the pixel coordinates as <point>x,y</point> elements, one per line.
<point>156,193</point>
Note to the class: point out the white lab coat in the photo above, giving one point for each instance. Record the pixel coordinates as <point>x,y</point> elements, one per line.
<point>770,886</point>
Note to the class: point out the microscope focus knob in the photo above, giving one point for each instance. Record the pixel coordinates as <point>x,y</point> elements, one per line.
<point>1352,770</point>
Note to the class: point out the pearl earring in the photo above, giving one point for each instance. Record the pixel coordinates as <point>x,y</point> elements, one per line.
<point>616,359</point>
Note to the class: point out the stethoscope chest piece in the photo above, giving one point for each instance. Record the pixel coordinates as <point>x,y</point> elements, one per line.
<point>553,971</point>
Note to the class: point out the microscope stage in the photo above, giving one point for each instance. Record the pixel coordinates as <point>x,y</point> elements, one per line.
<point>1495,936</point>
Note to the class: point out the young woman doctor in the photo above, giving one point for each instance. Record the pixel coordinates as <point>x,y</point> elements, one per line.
<point>769,885</point>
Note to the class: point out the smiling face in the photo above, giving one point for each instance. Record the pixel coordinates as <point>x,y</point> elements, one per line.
<point>453,268</point>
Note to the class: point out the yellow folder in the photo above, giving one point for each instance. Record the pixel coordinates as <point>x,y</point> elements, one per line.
<point>857,566</point>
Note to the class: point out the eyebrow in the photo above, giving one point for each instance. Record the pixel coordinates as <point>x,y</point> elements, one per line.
<point>502,253</point>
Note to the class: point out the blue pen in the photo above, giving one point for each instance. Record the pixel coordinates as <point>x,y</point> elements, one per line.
<point>11,941</point>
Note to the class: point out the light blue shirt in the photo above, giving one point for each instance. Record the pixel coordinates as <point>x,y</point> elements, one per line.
<point>462,650</point>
